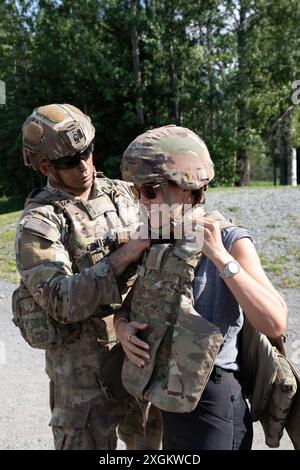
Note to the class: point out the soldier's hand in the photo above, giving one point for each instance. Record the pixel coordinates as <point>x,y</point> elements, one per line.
<point>127,254</point>
<point>136,350</point>
<point>137,247</point>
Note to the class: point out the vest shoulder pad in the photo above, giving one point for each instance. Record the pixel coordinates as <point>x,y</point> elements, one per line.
<point>32,195</point>
<point>218,217</point>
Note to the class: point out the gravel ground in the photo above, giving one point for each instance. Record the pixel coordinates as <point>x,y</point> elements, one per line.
<point>271,215</point>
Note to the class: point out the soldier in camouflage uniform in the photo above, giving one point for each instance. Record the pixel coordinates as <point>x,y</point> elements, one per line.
<point>76,262</point>
<point>181,332</point>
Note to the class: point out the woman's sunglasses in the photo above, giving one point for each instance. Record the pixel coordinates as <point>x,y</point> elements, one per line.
<point>149,191</point>
<point>72,162</point>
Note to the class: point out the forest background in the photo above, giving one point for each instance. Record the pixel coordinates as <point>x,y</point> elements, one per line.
<point>226,69</point>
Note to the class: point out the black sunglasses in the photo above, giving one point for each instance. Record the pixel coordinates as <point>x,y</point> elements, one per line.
<point>149,191</point>
<point>73,161</point>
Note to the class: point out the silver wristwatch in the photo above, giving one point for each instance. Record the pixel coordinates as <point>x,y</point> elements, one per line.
<point>231,269</point>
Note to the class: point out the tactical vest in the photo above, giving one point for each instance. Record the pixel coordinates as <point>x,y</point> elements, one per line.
<point>95,228</point>
<point>183,344</point>
<point>271,384</point>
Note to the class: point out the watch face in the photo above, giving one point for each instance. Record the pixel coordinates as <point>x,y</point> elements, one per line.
<point>233,267</point>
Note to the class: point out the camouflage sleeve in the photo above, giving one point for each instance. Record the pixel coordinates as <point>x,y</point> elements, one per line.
<point>46,270</point>
<point>125,188</point>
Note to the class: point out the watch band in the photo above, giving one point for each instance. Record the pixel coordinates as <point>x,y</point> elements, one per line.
<point>231,269</point>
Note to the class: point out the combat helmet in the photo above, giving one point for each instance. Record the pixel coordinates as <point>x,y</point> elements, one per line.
<point>55,131</point>
<point>168,153</point>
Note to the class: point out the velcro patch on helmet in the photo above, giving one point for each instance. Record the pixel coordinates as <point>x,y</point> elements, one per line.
<point>76,136</point>
<point>53,112</point>
<point>33,132</point>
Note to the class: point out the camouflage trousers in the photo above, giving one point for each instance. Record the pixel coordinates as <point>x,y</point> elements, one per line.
<point>84,419</point>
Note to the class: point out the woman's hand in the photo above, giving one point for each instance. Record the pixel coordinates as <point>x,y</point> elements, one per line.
<point>212,240</point>
<point>134,348</point>
<point>207,232</point>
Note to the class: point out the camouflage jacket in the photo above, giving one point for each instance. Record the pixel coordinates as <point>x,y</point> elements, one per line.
<point>61,248</point>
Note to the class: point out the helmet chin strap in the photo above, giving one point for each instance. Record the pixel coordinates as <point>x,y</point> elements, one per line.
<point>166,192</point>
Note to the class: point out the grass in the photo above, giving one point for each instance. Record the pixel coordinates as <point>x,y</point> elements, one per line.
<point>263,259</point>
<point>233,209</point>
<point>283,269</point>
<point>261,184</point>
<point>278,238</point>
<point>9,215</point>
<point>8,224</point>
<point>253,184</point>
<point>288,282</point>
<point>274,268</point>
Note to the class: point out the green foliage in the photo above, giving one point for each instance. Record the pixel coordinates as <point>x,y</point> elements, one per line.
<point>9,204</point>
<point>223,68</point>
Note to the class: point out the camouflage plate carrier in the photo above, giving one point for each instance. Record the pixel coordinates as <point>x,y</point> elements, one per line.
<point>183,344</point>
<point>93,230</point>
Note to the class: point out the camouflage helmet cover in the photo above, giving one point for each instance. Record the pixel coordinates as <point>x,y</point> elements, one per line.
<point>168,153</point>
<point>55,131</point>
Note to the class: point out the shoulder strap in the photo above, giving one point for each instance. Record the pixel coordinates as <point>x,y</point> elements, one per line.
<point>41,195</point>
<point>109,189</point>
<point>218,217</point>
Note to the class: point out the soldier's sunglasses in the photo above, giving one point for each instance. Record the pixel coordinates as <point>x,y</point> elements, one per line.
<point>72,162</point>
<point>149,191</point>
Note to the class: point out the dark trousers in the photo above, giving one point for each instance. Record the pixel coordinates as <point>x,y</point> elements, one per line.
<point>221,420</point>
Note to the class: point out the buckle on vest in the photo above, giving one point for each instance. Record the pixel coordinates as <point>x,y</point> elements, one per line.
<point>99,244</point>
<point>95,246</point>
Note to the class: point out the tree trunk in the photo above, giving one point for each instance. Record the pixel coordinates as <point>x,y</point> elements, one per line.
<point>173,81</point>
<point>211,84</point>
<point>172,66</point>
<point>2,92</point>
<point>281,146</point>
<point>283,171</point>
<point>274,173</point>
<point>292,168</point>
<point>242,157</point>
<point>134,4</point>
<point>286,148</point>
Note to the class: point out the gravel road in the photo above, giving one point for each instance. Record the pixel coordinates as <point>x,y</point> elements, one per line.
<point>272,216</point>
